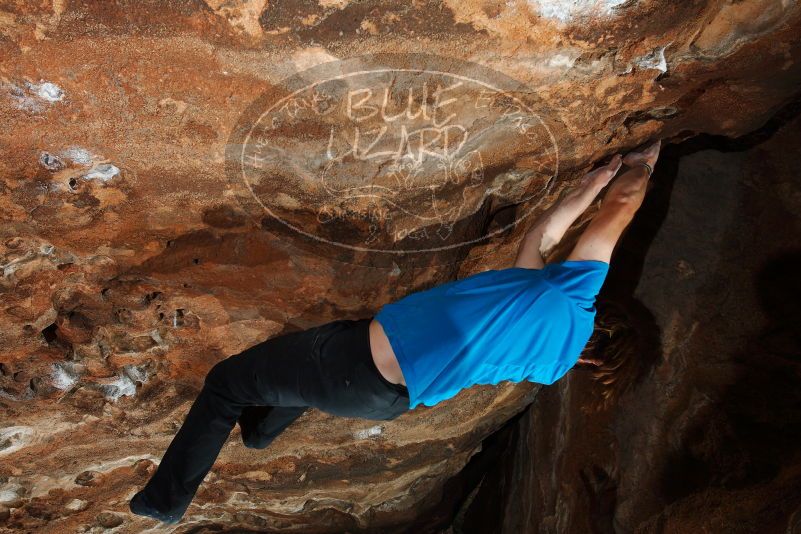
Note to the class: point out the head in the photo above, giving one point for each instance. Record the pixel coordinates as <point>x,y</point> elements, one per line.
<point>620,349</point>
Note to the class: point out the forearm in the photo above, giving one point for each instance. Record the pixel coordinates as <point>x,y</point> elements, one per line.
<point>550,227</point>
<point>529,255</point>
<point>617,211</point>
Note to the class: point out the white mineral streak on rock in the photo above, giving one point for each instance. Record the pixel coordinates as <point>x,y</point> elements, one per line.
<point>42,257</point>
<point>12,495</point>
<point>8,495</point>
<point>561,60</point>
<point>13,438</point>
<point>124,384</point>
<point>66,477</point>
<point>78,155</point>
<point>65,375</point>
<point>309,57</point>
<point>566,10</point>
<point>77,505</point>
<point>99,170</point>
<point>103,172</point>
<point>11,267</point>
<point>31,97</point>
<point>654,60</point>
<point>369,432</point>
<point>50,161</point>
<point>47,91</point>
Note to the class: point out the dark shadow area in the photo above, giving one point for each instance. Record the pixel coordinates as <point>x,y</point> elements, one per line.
<point>479,473</point>
<point>752,430</point>
<point>627,262</point>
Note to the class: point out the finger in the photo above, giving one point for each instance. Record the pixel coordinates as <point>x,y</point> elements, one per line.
<point>652,152</point>
<point>608,171</point>
<point>610,168</point>
<point>618,159</point>
<point>648,153</point>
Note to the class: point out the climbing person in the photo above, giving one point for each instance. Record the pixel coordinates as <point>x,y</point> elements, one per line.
<point>529,322</point>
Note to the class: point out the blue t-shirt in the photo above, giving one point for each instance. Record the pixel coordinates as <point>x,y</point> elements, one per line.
<point>511,324</point>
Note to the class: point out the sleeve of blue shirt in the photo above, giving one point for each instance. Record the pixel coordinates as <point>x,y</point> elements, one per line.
<point>581,280</point>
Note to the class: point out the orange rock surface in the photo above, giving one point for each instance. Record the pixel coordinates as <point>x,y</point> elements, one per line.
<point>133,258</point>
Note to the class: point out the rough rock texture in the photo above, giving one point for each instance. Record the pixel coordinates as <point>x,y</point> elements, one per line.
<point>705,438</point>
<point>132,263</point>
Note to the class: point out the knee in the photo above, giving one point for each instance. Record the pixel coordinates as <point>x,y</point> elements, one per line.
<point>217,373</point>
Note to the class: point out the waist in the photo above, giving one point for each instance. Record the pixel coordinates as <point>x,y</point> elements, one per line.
<point>383,355</point>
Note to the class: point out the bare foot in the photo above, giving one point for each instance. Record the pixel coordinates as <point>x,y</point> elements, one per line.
<point>648,155</point>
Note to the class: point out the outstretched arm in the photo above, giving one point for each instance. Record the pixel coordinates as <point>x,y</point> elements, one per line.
<point>550,227</point>
<point>621,201</point>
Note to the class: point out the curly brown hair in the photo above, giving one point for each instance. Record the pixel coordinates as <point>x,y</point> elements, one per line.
<point>623,343</point>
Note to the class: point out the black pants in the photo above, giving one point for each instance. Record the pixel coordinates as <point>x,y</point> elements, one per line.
<point>268,386</point>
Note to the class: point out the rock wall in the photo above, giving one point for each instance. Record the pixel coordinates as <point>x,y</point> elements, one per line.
<point>703,436</point>
<point>133,259</point>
